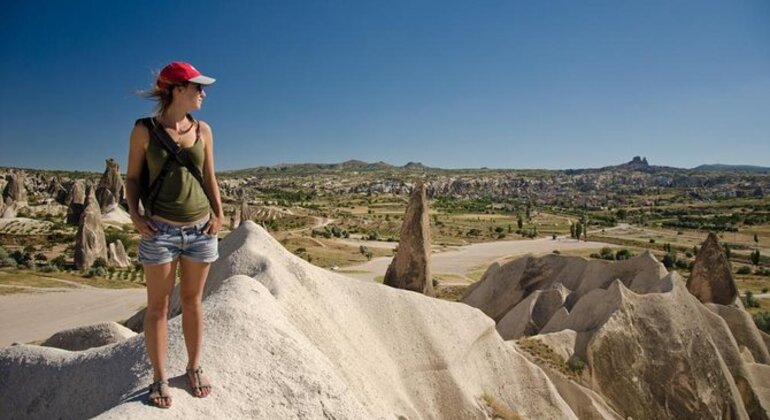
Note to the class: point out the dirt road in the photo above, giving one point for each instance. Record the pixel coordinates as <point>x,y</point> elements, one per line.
<point>465,259</point>
<point>26,317</point>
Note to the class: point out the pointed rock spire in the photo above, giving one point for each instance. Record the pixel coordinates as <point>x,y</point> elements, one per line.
<point>410,268</point>
<point>712,280</point>
<point>75,202</point>
<point>110,191</point>
<point>89,241</point>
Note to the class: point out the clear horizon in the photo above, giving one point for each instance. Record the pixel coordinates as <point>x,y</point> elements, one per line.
<point>504,85</point>
<point>122,169</point>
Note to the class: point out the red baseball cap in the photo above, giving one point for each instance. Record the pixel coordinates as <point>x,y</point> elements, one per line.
<point>178,72</point>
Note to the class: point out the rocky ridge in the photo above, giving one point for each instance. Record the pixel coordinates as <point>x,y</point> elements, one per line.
<point>628,337</point>
<point>285,339</point>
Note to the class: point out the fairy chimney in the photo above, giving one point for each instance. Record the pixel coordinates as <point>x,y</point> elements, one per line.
<point>75,202</point>
<point>8,209</point>
<point>56,191</point>
<point>245,212</point>
<point>410,268</point>
<point>14,188</point>
<point>89,241</point>
<point>116,255</point>
<point>110,192</point>
<point>711,280</point>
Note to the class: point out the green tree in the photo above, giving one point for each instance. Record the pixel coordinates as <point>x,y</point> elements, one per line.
<point>622,254</point>
<point>99,263</point>
<point>520,223</point>
<point>578,230</point>
<point>572,230</point>
<point>607,254</point>
<point>762,320</point>
<point>668,261</point>
<point>755,257</point>
<point>751,301</point>
<point>529,212</point>
<point>622,214</point>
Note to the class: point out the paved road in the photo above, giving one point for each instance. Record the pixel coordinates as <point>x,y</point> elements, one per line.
<point>467,258</point>
<point>26,317</point>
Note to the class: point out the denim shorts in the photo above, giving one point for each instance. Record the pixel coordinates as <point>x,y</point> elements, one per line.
<point>170,242</point>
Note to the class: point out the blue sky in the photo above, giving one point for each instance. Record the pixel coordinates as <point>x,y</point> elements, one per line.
<point>454,84</point>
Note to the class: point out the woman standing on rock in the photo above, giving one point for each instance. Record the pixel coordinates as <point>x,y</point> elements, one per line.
<point>171,169</point>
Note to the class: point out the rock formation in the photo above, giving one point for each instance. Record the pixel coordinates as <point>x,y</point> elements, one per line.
<point>711,280</point>
<point>8,209</point>
<point>649,348</point>
<point>298,341</point>
<point>502,287</point>
<point>83,338</point>
<point>116,255</point>
<point>110,192</point>
<point>89,241</point>
<point>233,219</point>
<point>245,212</point>
<point>56,190</point>
<point>75,202</point>
<point>410,268</point>
<point>14,188</point>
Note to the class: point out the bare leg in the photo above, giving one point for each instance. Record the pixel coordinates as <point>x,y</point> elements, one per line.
<point>160,283</point>
<point>191,294</point>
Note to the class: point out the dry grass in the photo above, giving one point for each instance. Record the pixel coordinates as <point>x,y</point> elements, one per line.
<point>754,283</point>
<point>499,409</point>
<point>329,253</point>
<point>545,356</point>
<point>14,290</point>
<point>451,278</point>
<point>477,272</point>
<point>30,278</point>
<point>452,293</point>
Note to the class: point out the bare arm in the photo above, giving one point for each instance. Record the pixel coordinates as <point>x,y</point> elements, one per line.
<point>210,179</point>
<point>140,137</point>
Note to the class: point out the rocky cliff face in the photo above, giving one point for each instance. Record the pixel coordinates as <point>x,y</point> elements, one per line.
<point>638,340</point>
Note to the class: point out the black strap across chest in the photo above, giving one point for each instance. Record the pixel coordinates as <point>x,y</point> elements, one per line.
<point>159,134</point>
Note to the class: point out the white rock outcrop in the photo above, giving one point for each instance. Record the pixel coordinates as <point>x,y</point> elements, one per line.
<point>83,338</point>
<point>285,339</point>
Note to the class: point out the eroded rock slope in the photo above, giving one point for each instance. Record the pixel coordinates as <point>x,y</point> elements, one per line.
<point>285,339</point>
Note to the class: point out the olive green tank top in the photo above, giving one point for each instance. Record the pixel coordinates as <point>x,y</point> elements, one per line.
<point>181,197</point>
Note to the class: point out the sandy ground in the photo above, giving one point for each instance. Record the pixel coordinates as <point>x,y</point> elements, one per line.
<point>26,317</point>
<point>471,257</point>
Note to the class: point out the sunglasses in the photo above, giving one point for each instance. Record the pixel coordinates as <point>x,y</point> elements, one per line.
<point>198,87</point>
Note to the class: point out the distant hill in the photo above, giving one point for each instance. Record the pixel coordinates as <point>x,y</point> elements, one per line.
<point>718,167</point>
<point>637,164</point>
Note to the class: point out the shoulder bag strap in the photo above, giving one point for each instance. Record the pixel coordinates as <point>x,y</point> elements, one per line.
<point>175,150</point>
<point>154,188</point>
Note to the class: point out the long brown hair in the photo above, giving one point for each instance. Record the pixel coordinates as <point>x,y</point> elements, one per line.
<point>161,96</point>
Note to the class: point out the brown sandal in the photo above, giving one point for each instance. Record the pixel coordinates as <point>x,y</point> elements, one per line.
<point>195,377</point>
<point>159,389</point>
